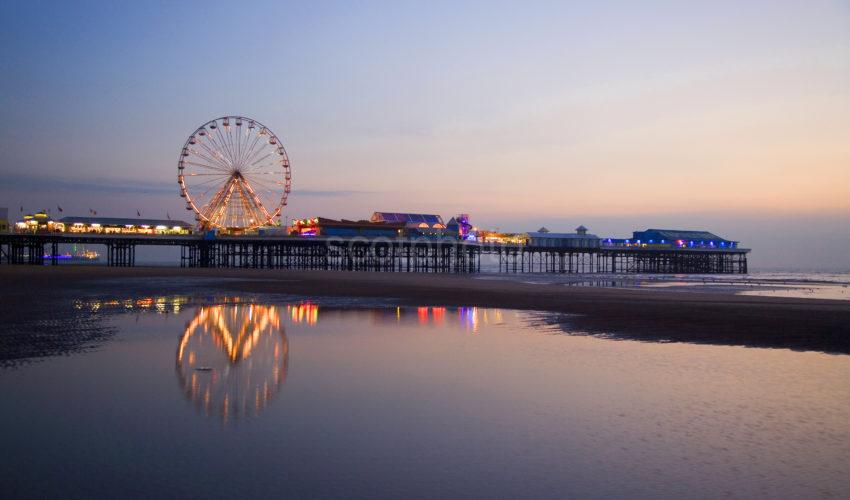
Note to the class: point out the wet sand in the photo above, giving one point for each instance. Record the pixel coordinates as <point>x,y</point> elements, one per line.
<point>805,324</point>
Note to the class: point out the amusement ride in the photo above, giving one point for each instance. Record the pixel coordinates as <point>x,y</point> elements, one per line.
<point>235,175</point>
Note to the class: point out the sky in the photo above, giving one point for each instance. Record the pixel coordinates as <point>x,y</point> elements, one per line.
<point>732,117</point>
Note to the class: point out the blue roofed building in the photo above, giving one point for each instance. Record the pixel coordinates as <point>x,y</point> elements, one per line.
<point>675,238</point>
<point>416,225</point>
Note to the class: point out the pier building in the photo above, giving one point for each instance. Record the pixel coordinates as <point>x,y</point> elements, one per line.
<point>500,238</point>
<point>415,225</point>
<point>579,239</point>
<point>321,226</point>
<point>460,227</point>
<point>39,222</point>
<point>672,238</point>
<point>116,225</point>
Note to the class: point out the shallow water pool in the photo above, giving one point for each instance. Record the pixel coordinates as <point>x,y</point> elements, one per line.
<point>251,396</point>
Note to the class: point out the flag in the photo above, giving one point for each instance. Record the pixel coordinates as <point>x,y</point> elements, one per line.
<point>168,215</point>
<point>60,208</point>
<point>22,208</point>
<point>138,213</point>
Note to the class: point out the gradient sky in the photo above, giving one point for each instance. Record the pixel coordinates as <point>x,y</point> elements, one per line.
<point>727,116</point>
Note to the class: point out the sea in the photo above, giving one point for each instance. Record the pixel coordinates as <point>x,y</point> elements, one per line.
<point>794,283</point>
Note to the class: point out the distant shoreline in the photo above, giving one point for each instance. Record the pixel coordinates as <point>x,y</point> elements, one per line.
<point>796,323</point>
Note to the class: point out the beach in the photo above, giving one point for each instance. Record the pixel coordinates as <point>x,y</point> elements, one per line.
<point>646,314</point>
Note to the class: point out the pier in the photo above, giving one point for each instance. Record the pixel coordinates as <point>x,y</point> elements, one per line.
<point>381,254</point>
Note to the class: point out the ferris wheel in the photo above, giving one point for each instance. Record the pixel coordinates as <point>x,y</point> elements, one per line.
<point>234,173</point>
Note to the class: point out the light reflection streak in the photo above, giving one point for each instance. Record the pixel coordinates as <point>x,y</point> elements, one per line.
<point>470,318</point>
<point>305,312</point>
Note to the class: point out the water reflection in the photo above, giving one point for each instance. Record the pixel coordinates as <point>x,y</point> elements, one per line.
<point>305,312</point>
<point>160,304</point>
<point>232,358</point>
<point>411,401</point>
<point>38,329</point>
<point>469,318</point>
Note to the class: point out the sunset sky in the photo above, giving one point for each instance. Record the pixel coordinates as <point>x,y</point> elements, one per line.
<point>727,116</point>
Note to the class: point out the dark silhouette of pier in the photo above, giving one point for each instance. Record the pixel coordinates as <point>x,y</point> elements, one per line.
<point>388,255</point>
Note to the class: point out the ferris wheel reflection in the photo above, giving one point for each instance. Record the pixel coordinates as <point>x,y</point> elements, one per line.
<point>232,359</point>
